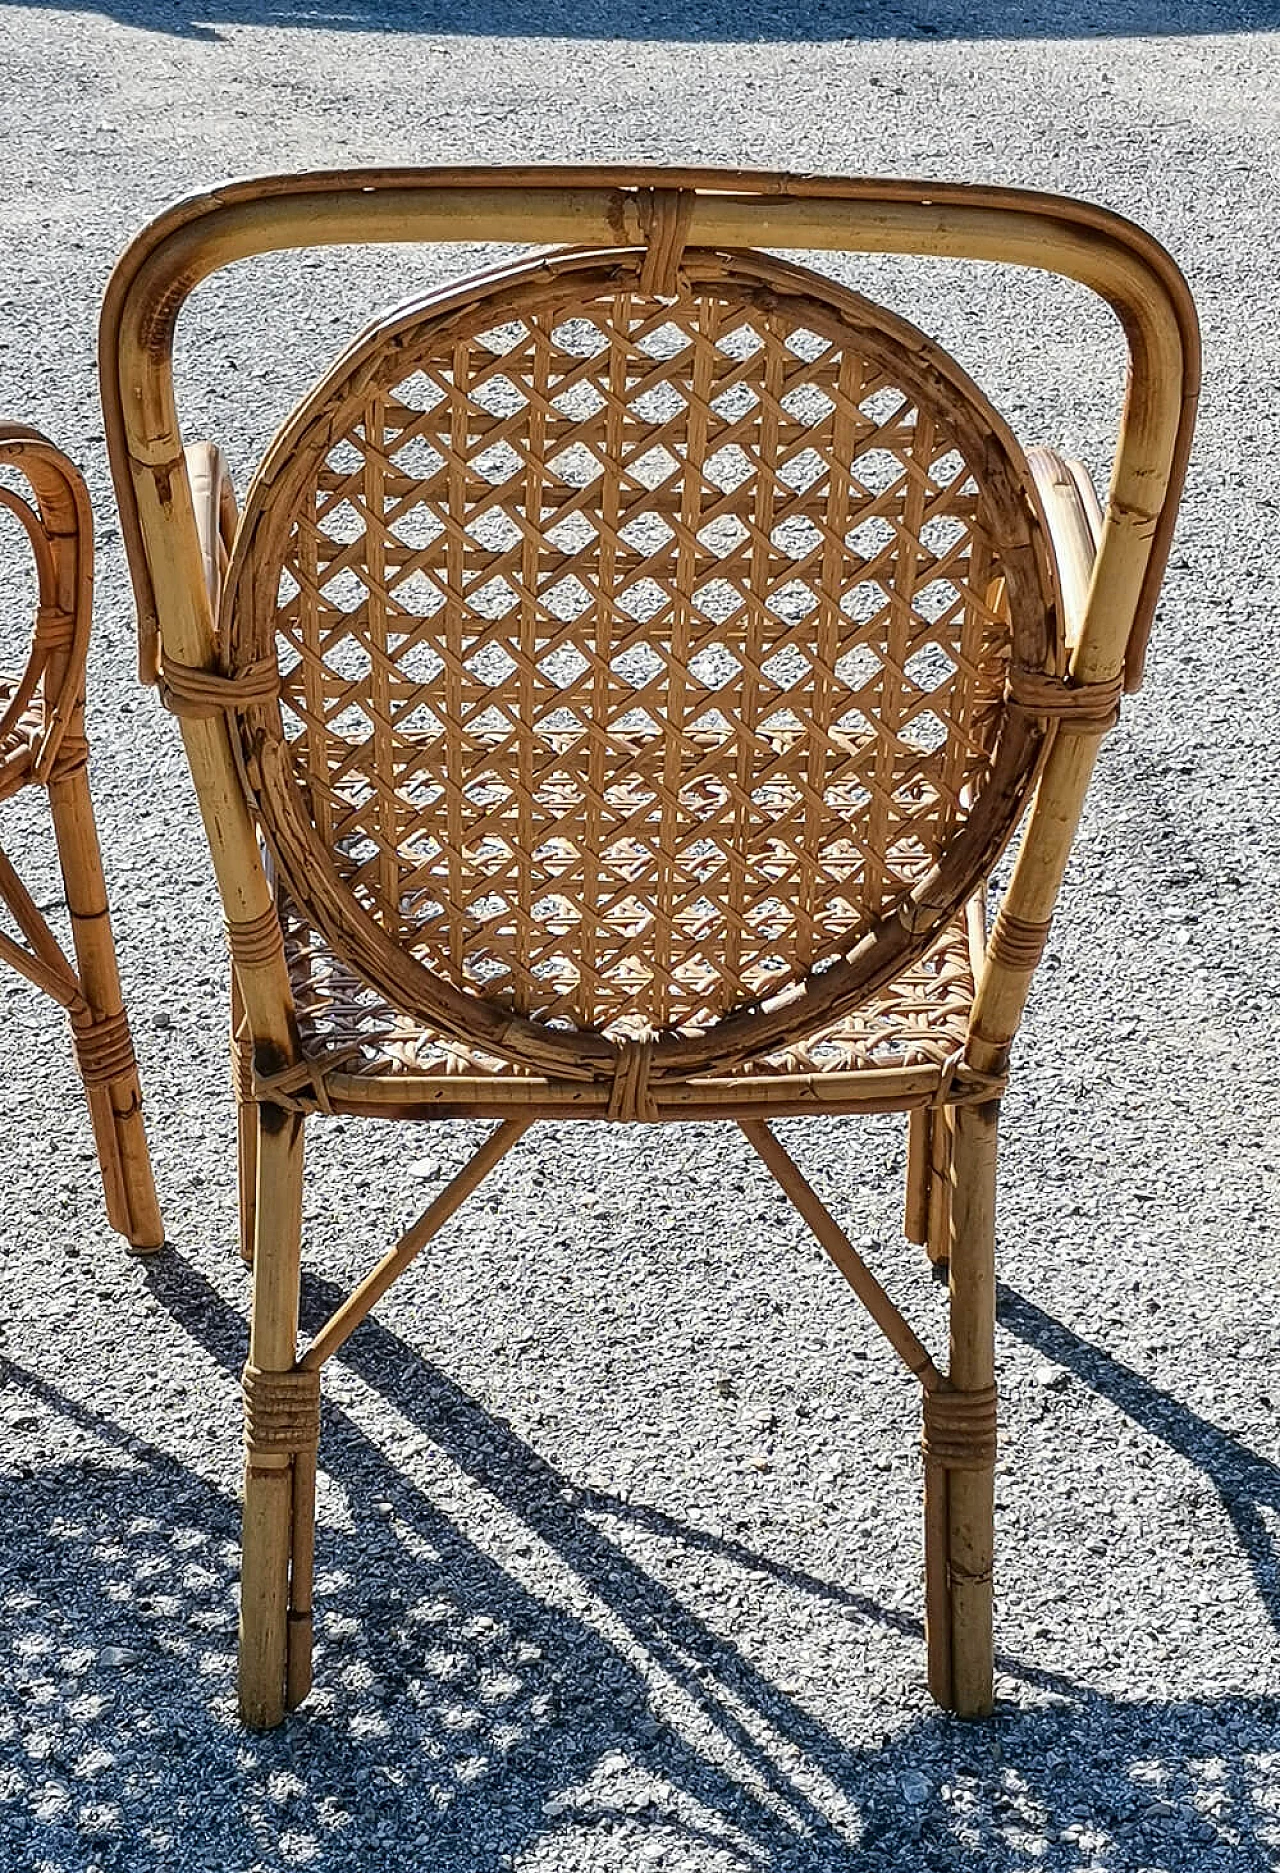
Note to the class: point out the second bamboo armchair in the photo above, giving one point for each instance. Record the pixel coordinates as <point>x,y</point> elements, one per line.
<point>634,660</point>
<point>43,743</point>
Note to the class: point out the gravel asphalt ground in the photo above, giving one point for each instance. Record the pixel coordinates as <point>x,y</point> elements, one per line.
<point>619,1551</point>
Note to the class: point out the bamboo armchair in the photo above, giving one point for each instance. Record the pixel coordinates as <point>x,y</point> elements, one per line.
<point>633,660</point>
<point>42,743</point>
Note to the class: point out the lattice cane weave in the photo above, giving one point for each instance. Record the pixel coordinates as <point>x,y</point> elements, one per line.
<point>644,660</point>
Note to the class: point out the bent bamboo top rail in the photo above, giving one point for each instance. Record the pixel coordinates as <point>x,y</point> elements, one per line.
<point>729,209</point>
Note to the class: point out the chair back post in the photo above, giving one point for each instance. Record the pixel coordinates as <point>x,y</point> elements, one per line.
<point>165,519</point>
<point>1159,321</point>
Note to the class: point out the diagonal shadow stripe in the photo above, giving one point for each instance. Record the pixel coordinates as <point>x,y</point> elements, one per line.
<point>1245,1482</point>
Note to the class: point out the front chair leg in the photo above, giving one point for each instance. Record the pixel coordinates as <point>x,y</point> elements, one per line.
<point>960,1426</point>
<point>104,1047</point>
<point>282,1407</point>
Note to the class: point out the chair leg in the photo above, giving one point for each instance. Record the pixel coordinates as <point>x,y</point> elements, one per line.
<point>927,1211</point>
<point>960,1420</point>
<point>104,1048</point>
<point>941,1150</point>
<point>246,1120</point>
<point>281,1419</point>
<point>915,1216</point>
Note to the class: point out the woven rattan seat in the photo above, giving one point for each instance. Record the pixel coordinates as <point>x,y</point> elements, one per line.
<point>42,743</point>
<point>20,744</point>
<point>369,1057</point>
<point>633,662</point>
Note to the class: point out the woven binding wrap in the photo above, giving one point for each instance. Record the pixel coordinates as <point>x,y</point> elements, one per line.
<point>257,943</point>
<point>104,1050</point>
<point>1016,942</point>
<point>960,1428</point>
<point>55,628</point>
<point>203,694</point>
<point>281,1411</point>
<point>1078,708</point>
<point>666,214</point>
<point>302,1087</point>
<point>630,1101</point>
<point>298,1088</point>
<point>72,752</point>
<point>960,1084</point>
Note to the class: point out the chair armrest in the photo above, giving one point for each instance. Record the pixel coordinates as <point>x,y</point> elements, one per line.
<point>1074,520</point>
<point>58,522</point>
<point>217,515</point>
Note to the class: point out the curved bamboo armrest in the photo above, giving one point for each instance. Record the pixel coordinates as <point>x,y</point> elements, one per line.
<point>1074,519</point>
<point>58,523</point>
<point>213,497</point>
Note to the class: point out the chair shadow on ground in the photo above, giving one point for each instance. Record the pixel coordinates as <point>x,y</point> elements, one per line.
<point>463,1710</point>
<point>1246,1483</point>
<point>710,21</point>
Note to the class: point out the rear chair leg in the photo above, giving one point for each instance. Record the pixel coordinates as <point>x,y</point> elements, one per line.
<point>282,1413</point>
<point>960,1424</point>
<point>246,1120</point>
<point>927,1218</point>
<point>104,1047</point>
<point>915,1217</point>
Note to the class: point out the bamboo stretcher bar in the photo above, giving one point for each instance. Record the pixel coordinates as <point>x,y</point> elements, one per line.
<point>904,1341</point>
<point>347,1318</point>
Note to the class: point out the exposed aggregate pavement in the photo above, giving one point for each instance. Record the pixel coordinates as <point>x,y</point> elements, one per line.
<point>618,1561</point>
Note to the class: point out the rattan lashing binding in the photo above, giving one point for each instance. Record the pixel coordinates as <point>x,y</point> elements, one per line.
<point>205,694</point>
<point>1076,708</point>
<point>281,1412</point>
<point>959,1431</point>
<point>630,1100</point>
<point>1016,942</point>
<point>488,880</point>
<point>665,215</point>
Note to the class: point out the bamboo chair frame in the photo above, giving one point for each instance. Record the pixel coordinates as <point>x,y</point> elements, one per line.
<point>194,569</point>
<point>43,743</point>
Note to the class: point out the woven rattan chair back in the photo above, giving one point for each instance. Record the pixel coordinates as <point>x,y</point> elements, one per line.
<point>634,660</point>
<point>648,655</point>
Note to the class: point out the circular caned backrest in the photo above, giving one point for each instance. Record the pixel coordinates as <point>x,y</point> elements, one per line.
<point>643,658</point>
